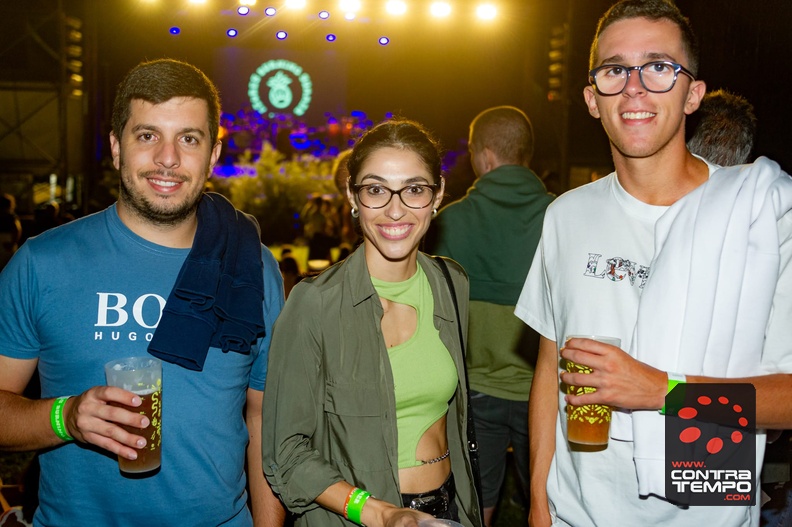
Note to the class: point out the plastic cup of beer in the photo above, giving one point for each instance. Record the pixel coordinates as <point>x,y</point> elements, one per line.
<point>143,377</point>
<point>588,424</point>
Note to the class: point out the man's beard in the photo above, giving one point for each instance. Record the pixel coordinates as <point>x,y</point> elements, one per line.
<point>155,215</point>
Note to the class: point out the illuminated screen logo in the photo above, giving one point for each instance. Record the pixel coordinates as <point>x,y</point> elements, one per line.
<point>283,84</point>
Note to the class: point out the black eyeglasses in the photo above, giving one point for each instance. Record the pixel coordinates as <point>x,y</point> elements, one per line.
<point>656,77</point>
<point>377,196</point>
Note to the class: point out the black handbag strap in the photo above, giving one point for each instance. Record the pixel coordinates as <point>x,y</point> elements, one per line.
<point>471,429</point>
<point>444,267</point>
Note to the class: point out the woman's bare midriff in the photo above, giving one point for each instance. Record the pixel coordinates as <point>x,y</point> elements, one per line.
<point>423,478</point>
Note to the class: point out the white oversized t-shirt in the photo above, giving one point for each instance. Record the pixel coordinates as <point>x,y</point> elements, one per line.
<point>587,277</point>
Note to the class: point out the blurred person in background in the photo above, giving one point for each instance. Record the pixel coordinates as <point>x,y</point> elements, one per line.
<point>10,228</point>
<point>726,129</point>
<point>492,232</point>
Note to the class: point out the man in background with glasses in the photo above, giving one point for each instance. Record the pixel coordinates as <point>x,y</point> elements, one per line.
<point>493,232</point>
<point>635,255</point>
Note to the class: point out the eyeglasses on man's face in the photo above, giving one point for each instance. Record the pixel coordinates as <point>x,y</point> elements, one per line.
<point>376,196</point>
<point>656,76</point>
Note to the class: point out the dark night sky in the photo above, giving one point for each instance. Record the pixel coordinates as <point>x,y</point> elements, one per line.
<point>746,49</point>
<point>444,74</point>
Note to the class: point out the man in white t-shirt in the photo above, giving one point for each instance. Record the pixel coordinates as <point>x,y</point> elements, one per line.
<point>596,256</point>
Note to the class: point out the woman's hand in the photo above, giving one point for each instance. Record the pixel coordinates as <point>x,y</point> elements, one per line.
<point>375,513</point>
<point>378,513</point>
<point>406,518</point>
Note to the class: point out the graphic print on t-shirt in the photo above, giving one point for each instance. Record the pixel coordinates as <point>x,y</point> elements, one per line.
<point>616,269</point>
<point>122,318</point>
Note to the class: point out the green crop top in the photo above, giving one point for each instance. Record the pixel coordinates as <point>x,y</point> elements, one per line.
<point>424,374</point>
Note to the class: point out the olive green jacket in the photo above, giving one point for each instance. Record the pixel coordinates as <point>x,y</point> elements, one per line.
<point>329,406</point>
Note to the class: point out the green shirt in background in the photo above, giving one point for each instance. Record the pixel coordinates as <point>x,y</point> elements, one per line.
<point>493,233</point>
<point>505,352</point>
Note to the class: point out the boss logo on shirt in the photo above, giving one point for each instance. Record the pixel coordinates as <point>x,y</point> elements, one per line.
<point>131,318</point>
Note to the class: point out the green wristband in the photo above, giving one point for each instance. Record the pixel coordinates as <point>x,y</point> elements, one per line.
<point>356,502</point>
<point>56,419</point>
<point>673,380</point>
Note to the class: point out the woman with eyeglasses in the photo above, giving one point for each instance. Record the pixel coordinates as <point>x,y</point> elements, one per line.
<point>365,407</point>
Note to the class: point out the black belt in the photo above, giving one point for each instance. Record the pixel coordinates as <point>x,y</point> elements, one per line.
<point>434,502</point>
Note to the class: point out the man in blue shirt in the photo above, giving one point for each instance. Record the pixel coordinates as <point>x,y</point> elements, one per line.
<point>95,290</point>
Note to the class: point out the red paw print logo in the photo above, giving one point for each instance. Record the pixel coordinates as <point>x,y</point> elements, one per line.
<point>693,433</point>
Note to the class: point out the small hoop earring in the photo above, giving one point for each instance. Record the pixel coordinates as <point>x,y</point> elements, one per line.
<point>434,212</point>
<point>355,213</point>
